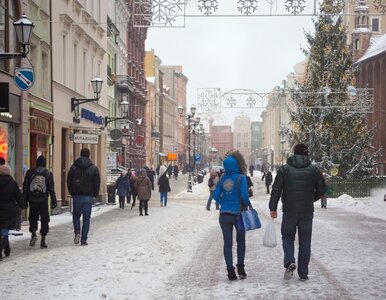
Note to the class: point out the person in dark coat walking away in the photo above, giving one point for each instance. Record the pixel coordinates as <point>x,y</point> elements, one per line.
<point>212,183</point>
<point>143,186</point>
<point>299,184</point>
<point>37,186</point>
<point>175,172</point>
<point>233,185</point>
<point>150,175</point>
<point>11,202</point>
<point>268,179</point>
<point>83,182</point>
<point>123,189</point>
<point>169,170</point>
<point>251,169</point>
<point>164,187</point>
<point>133,189</point>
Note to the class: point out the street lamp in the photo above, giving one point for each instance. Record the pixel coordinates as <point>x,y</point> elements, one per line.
<point>23,28</point>
<point>75,102</point>
<point>125,107</point>
<point>190,119</point>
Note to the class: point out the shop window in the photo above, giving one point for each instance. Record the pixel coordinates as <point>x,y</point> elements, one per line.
<point>375,25</point>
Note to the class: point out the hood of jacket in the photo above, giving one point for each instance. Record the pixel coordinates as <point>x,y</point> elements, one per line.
<point>299,161</point>
<point>230,165</point>
<point>162,170</point>
<point>83,162</point>
<point>4,180</point>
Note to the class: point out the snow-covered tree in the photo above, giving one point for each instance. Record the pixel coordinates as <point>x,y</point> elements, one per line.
<point>328,117</point>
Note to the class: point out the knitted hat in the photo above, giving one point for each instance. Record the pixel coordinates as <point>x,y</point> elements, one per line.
<point>41,161</point>
<point>162,170</point>
<point>5,170</point>
<point>301,149</point>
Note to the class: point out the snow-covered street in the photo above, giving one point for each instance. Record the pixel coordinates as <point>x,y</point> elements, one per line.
<point>176,253</point>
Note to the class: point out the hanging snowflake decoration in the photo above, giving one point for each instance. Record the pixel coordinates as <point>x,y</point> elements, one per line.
<point>295,6</point>
<point>247,7</point>
<point>338,5</point>
<point>209,99</point>
<point>251,101</point>
<point>231,101</point>
<point>380,6</point>
<point>207,6</point>
<point>158,12</point>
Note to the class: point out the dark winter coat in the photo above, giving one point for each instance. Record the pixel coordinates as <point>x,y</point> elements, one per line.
<point>227,191</point>
<point>11,201</point>
<point>163,183</point>
<point>122,186</point>
<point>27,196</point>
<point>150,175</point>
<point>133,189</point>
<point>299,184</point>
<point>93,177</point>
<point>143,186</point>
<point>268,178</point>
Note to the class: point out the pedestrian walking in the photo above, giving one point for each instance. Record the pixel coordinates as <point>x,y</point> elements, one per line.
<point>83,182</point>
<point>143,186</point>
<point>251,169</point>
<point>268,180</point>
<point>150,175</point>
<point>249,185</point>
<point>323,200</point>
<point>11,202</point>
<point>233,185</point>
<point>169,170</point>
<point>37,186</point>
<point>212,182</point>
<point>163,184</point>
<point>298,183</point>
<point>133,189</point>
<point>175,171</point>
<point>123,189</point>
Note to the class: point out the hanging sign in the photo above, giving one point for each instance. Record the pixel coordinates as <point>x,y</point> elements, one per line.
<point>86,138</point>
<point>24,78</point>
<point>139,139</point>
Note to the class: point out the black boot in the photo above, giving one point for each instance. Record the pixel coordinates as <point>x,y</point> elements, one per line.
<point>241,271</point>
<point>2,244</point>
<point>43,244</point>
<point>231,274</point>
<point>7,247</point>
<point>33,240</point>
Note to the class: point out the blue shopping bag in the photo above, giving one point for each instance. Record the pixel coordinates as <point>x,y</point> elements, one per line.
<point>248,220</point>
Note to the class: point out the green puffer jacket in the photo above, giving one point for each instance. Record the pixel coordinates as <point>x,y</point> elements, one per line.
<point>299,184</point>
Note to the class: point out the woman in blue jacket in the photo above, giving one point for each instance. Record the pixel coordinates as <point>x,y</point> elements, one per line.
<point>227,194</point>
<point>123,188</point>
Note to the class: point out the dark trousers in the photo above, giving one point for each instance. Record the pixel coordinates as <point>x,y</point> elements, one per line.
<point>121,200</point>
<point>267,185</point>
<point>303,223</point>
<point>227,223</point>
<point>37,209</point>
<point>143,205</point>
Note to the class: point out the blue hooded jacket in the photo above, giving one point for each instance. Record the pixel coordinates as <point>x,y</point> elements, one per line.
<point>226,193</point>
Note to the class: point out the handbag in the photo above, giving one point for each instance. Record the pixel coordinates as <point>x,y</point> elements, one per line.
<point>248,219</point>
<point>269,239</point>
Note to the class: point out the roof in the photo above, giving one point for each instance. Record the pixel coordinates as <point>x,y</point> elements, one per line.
<point>377,46</point>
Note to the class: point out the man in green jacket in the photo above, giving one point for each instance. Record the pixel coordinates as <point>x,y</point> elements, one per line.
<point>299,184</point>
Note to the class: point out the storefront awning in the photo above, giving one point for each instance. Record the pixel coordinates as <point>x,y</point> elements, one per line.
<point>161,154</point>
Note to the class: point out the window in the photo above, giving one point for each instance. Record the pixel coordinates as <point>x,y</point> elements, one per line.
<point>75,66</point>
<point>246,145</point>
<point>356,46</point>
<point>64,61</point>
<point>375,25</point>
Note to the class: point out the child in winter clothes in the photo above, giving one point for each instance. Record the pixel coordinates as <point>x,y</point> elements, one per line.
<point>143,186</point>
<point>164,187</point>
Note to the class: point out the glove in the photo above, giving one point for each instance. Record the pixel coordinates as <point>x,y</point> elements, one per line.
<point>54,204</point>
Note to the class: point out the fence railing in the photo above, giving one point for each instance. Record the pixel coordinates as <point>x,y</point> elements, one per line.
<point>355,188</point>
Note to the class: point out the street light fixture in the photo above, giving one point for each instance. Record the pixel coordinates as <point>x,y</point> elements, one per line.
<point>23,28</point>
<point>76,102</point>
<point>125,107</point>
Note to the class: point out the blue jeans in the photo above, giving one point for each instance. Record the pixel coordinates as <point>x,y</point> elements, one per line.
<point>227,222</point>
<point>4,232</point>
<point>82,207</point>
<point>208,204</point>
<point>303,223</point>
<point>164,198</point>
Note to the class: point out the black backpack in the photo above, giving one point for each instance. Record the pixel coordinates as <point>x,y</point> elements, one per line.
<point>210,182</point>
<point>79,181</point>
<point>38,185</point>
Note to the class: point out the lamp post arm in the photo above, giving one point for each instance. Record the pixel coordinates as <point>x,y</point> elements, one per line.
<point>112,119</point>
<point>78,101</point>
<point>4,56</point>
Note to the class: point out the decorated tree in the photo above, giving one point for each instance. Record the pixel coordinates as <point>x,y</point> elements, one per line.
<point>329,114</point>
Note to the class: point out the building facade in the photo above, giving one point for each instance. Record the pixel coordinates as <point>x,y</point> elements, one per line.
<point>242,135</point>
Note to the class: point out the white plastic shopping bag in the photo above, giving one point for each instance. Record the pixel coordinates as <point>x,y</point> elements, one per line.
<point>269,239</point>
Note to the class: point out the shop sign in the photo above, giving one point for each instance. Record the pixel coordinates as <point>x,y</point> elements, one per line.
<point>4,143</point>
<point>86,138</point>
<point>172,156</point>
<point>40,125</point>
<point>91,116</point>
<point>111,161</point>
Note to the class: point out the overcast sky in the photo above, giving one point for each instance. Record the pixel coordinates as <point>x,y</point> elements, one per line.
<point>234,52</point>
